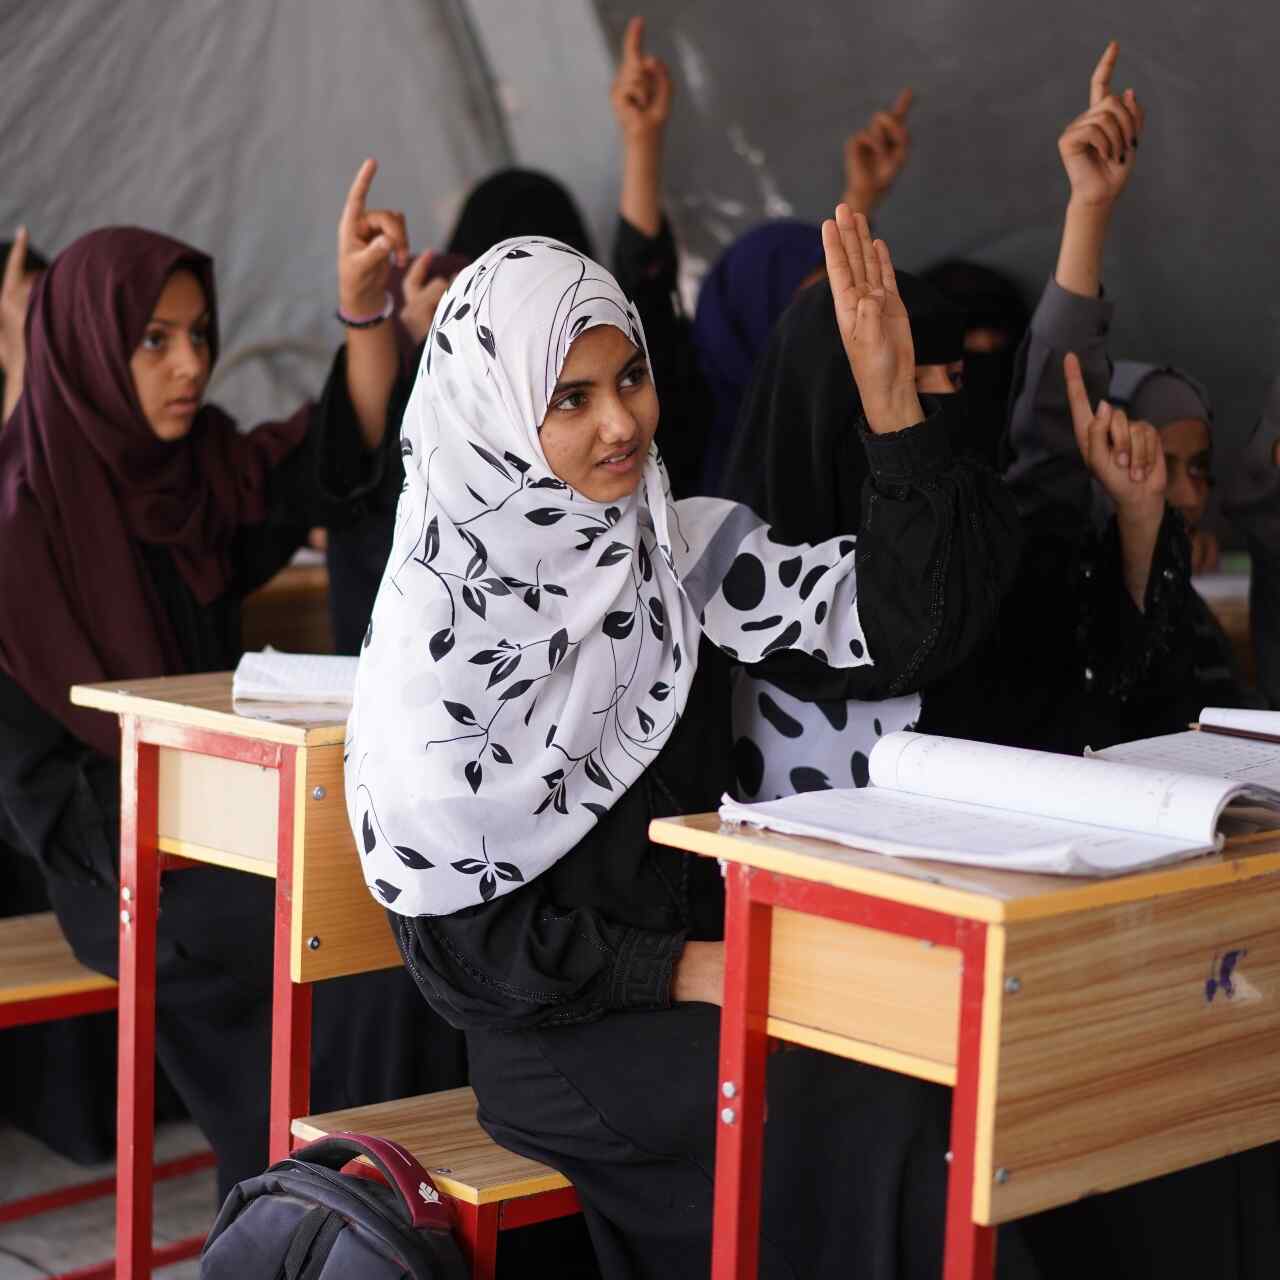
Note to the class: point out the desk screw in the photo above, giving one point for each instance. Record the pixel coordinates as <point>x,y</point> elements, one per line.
<point>1002,1176</point>
<point>949,1157</point>
<point>319,793</point>
<point>126,893</point>
<point>728,1115</point>
<point>125,918</point>
<point>729,1089</point>
<point>313,943</point>
<point>1013,985</point>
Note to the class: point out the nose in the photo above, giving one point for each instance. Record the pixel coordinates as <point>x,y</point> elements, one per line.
<point>188,361</point>
<point>617,423</point>
<point>1182,494</point>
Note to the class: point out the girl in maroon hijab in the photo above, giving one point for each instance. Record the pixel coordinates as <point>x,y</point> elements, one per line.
<point>134,519</point>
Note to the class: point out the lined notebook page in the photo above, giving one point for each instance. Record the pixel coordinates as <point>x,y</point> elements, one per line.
<point>1157,800</point>
<point>914,826</point>
<point>295,677</point>
<point>1245,718</point>
<point>1246,760</point>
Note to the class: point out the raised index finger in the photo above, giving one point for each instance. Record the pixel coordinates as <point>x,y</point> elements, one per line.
<point>1077,396</point>
<point>633,40</point>
<point>1100,81</point>
<point>354,207</point>
<point>902,104</point>
<point>15,265</point>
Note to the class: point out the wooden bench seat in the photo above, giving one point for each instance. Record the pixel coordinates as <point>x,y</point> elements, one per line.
<point>40,978</point>
<point>442,1132</point>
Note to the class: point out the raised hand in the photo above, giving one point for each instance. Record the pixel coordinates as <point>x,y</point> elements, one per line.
<point>873,322</point>
<point>1098,148</point>
<point>15,296</point>
<point>421,296</point>
<point>641,93</point>
<point>369,240</point>
<point>1127,458</point>
<point>874,156</point>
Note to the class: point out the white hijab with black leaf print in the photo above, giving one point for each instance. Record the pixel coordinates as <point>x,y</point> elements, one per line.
<point>531,650</point>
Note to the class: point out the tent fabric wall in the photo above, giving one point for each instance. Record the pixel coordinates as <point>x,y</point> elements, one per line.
<point>238,126</point>
<point>767,94</point>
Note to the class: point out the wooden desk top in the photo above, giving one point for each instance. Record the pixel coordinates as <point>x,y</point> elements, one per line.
<point>977,893</point>
<point>202,702</point>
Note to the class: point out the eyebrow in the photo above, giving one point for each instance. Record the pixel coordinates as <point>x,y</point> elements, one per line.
<point>177,324</point>
<point>579,384</point>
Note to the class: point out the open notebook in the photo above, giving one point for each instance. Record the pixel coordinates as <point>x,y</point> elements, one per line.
<point>971,802</point>
<point>311,683</point>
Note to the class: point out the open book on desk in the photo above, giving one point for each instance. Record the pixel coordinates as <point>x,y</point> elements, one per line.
<point>971,802</point>
<point>309,679</point>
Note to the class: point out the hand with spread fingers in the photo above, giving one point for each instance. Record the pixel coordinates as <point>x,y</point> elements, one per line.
<point>1127,458</point>
<point>876,155</point>
<point>421,296</point>
<point>369,240</point>
<point>641,93</point>
<point>873,322</point>
<point>1098,148</point>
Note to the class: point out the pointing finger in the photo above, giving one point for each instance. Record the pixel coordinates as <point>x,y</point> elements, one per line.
<point>902,104</point>
<point>416,277</point>
<point>1078,398</point>
<point>15,266</point>
<point>633,40</point>
<point>353,209</point>
<point>1100,81</point>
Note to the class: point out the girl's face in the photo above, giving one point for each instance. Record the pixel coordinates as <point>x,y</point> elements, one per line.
<point>602,416</point>
<point>1188,459</point>
<point>171,365</point>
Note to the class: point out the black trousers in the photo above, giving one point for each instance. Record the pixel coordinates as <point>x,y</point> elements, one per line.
<point>855,1172</point>
<point>372,1037</point>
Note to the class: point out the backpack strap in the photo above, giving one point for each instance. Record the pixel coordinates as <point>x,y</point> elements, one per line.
<point>424,1207</point>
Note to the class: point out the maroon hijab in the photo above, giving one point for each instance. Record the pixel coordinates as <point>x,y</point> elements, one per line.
<point>84,481</point>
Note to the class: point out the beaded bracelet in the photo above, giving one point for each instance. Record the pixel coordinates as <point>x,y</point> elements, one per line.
<point>367,322</point>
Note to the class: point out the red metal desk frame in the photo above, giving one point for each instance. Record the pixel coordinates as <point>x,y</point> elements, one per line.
<point>751,895</point>
<point>141,863</point>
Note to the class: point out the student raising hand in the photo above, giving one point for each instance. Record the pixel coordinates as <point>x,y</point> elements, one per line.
<point>369,240</point>
<point>1127,459</point>
<point>1098,148</point>
<point>873,322</point>
<point>876,155</point>
<point>641,100</point>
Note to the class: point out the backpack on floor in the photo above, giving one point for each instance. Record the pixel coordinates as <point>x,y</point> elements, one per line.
<point>306,1220</point>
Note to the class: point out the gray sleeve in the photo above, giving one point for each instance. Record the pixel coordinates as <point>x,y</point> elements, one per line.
<point>1046,468</point>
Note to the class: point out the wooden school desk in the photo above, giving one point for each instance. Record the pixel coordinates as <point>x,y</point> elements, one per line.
<point>1096,1033</point>
<point>201,784</point>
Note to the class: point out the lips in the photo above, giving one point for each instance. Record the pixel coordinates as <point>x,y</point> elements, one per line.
<point>624,460</point>
<point>183,404</point>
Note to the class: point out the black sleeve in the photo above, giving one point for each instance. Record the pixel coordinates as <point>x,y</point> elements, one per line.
<point>357,553</point>
<point>646,269</point>
<point>938,548</point>
<point>529,959</point>
<point>59,800</point>
<point>329,480</point>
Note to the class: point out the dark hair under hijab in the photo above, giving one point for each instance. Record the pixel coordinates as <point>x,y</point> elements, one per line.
<point>84,480</point>
<point>797,459</point>
<point>518,202</point>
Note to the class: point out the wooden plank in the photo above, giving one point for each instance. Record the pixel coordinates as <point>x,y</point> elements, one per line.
<point>223,805</point>
<point>290,612</point>
<point>866,985</point>
<point>1143,1038</point>
<point>442,1132</point>
<point>202,701</point>
<point>216,857</point>
<point>874,1055</point>
<point>330,900</point>
<point>37,963</point>
<point>975,893</point>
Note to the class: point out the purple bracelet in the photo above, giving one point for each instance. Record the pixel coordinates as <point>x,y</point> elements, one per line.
<point>367,322</point>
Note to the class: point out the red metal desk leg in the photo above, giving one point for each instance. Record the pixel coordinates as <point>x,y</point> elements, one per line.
<point>290,1002</point>
<point>741,1090</point>
<point>478,1226</point>
<point>139,901</point>
<point>970,1248</point>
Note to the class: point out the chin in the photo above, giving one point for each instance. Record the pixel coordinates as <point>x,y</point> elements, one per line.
<point>171,429</point>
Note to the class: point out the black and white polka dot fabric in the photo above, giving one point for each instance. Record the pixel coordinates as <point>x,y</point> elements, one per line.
<point>782,745</point>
